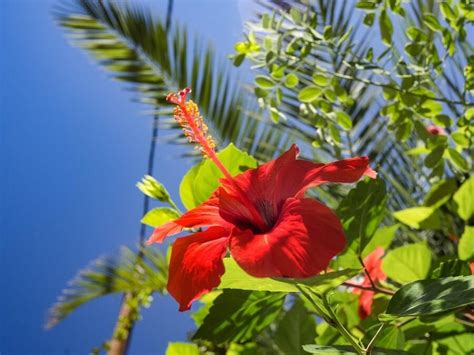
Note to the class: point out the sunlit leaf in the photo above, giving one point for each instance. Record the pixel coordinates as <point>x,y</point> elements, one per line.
<point>407,263</point>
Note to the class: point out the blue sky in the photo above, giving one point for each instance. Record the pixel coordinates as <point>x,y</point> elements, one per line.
<point>72,147</point>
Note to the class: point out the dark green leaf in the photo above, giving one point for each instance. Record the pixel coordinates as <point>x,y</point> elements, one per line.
<point>453,267</point>
<point>238,316</point>
<point>432,296</point>
<point>432,23</point>
<point>296,329</point>
<point>362,211</point>
<point>440,193</point>
<point>386,28</point>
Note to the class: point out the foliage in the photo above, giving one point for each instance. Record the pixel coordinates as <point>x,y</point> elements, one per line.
<point>341,79</point>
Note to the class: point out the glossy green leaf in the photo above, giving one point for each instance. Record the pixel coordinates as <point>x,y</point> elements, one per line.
<point>452,267</point>
<point>440,193</point>
<point>291,80</point>
<point>323,349</point>
<point>382,238</point>
<point>296,328</point>
<point>203,179</point>
<point>457,159</point>
<point>309,94</point>
<point>236,278</point>
<point>344,120</point>
<point>464,199</point>
<point>407,263</point>
<point>466,244</point>
<point>159,215</point>
<point>239,315</point>
<point>264,82</point>
<point>419,217</point>
<point>320,79</point>
<point>182,349</point>
<point>391,338</point>
<point>386,28</point>
<point>362,211</point>
<point>432,296</point>
<point>432,22</point>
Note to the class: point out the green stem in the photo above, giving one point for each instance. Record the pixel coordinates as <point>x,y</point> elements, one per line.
<point>330,317</point>
<point>344,332</point>
<point>372,341</point>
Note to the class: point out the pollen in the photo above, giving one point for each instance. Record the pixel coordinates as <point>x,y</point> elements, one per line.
<point>186,114</point>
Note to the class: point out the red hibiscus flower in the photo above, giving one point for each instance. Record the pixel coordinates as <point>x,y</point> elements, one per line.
<point>435,130</point>
<point>372,263</point>
<point>260,216</point>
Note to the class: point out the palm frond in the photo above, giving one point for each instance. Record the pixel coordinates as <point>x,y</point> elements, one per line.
<point>136,48</point>
<point>126,272</point>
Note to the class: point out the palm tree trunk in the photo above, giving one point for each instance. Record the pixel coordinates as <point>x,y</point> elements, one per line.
<point>122,335</point>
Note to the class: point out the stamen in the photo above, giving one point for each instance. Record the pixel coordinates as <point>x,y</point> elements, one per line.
<point>195,129</point>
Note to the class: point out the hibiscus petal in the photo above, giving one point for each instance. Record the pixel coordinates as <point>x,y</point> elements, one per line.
<point>269,185</point>
<point>302,243</point>
<point>373,264</point>
<point>196,265</point>
<point>207,214</point>
<point>365,304</point>
<point>341,171</point>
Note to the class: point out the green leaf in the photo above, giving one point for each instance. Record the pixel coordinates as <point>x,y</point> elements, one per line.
<point>391,338</point>
<point>466,244</point>
<point>264,82</point>
<point>419,217</point>
<point>182,349</point>
<point>457,159</point>
<point>309,94</point>
<point>447,12</point>
<point>203,179</point>
<point>159,215</point>
<point>432,296</point>
<point>386,28</point>
<point>320,79</point>
<point>153,188</point>
<point>433,158</point>
<point>344,120</point>
<point>440,193</point>
<point>291,80</point>
<point>295,329</point>
<point>407,263</point>
<point>464,199</point>
<point>362,211</point>
<point>452,267</point>
<point>236,278</point>
<point>239,315</point>
<point>432,23</point>
<point>323,349</point>
<point>383,237</point>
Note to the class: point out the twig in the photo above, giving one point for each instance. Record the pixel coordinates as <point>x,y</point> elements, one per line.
<point>370,288</point>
